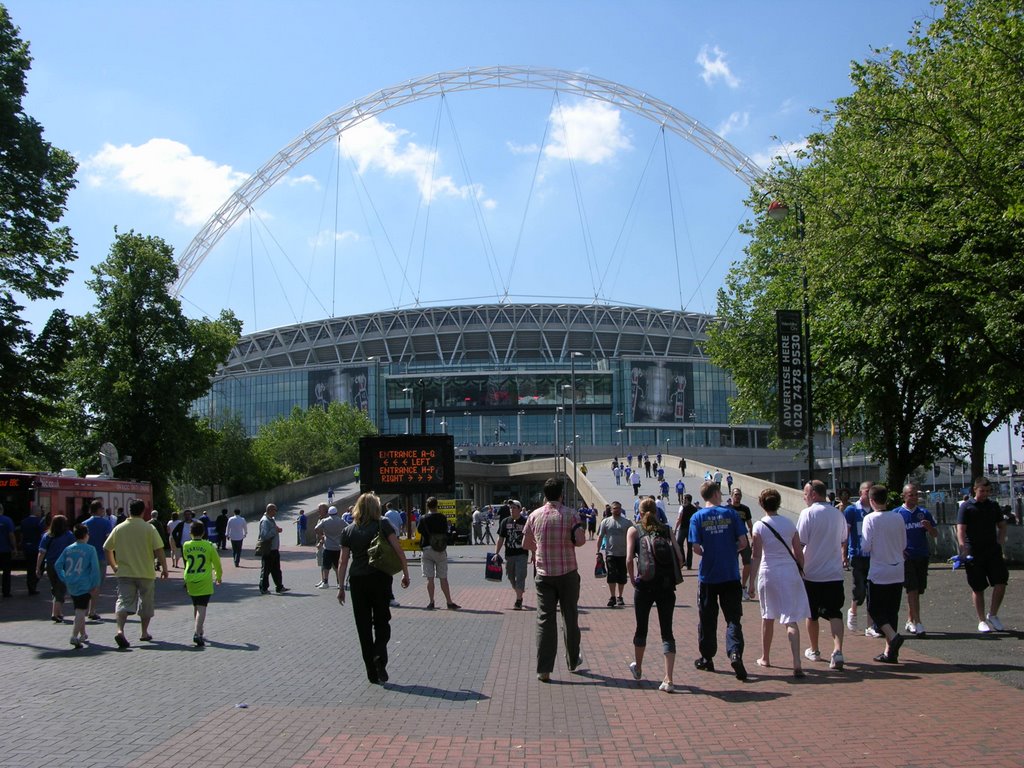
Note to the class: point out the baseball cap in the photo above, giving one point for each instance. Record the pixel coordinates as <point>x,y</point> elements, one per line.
<point>332,510</point>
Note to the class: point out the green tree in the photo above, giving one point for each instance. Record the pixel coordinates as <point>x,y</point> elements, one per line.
<point>313,441</point>
<point>911,194</point>
<point>222,459</point>
<point>35,180</point>
<point>140,363</point>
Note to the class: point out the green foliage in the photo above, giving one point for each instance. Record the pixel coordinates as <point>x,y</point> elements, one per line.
<point>312,441</point>
<point>222,456</point>
<point>35,180</point>
<point>912,243</point>
<point>139,363</point>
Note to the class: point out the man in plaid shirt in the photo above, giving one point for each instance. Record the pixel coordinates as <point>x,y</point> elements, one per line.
<point>551,535</point>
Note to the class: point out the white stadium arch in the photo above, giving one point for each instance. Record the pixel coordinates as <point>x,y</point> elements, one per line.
<point>576,83</point>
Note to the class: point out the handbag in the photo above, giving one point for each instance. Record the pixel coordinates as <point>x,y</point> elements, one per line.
<point>262,547</point>
<point>492,569</point>
<point>383,556</point>
<point>600,570</point>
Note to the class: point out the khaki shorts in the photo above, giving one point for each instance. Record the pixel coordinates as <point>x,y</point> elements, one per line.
<point>135,596</point>
<point>435,564</point>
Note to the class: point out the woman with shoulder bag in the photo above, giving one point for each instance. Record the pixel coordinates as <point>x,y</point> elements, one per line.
<point>777,565</point>
<point>370,586</point>
<point>659,590</point>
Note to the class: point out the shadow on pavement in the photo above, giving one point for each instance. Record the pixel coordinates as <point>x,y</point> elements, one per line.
<point>435,693</point>
<point>738,696</point>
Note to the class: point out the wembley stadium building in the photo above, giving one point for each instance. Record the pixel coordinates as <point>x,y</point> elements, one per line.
<point>497,375</point>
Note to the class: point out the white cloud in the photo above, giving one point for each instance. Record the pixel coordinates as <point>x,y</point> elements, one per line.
<point>326,237</point>
<point>295,181</point>
<point>375,144</point>
<point>591,132</point>
<point>714,67</point>
<point>737,121</point>
<point>522,149</point>
<point>167,170</point>
<point>786,150</point>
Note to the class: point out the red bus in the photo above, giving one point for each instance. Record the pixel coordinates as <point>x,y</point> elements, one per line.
<point>66,494</point>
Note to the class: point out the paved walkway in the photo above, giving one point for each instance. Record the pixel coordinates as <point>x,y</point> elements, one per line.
<point>281,684</point>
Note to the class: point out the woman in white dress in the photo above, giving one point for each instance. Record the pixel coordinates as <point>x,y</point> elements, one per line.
<point>777,564</point>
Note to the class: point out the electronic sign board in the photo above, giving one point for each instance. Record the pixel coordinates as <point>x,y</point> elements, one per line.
<point>407,464</point>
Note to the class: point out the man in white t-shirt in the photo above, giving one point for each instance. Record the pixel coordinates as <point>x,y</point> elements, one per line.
<point>237,530</point>
<point>823,532</point>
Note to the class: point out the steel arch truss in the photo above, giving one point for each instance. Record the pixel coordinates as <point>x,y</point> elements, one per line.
<point>491,335</point>
<point>587,86</point>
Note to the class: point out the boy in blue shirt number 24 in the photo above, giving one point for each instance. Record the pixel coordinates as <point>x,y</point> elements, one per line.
<point>79,568</point>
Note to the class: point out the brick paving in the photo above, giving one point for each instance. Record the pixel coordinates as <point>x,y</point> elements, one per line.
<point>281,684</point>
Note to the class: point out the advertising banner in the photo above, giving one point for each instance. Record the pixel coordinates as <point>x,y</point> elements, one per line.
<point>792,392</point>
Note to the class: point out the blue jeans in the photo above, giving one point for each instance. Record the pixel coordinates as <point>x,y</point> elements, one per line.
<point>729,595</point>
<point>554,593</point>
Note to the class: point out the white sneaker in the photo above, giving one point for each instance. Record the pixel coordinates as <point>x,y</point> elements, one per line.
<point>666,687</point>
<point>851,620</point>
<point>995,623</point>
<point>812,655</point>
<point>837,660</point>
<point>984,626</point>
<point>872,632</point>
<point>919,628</point>
<point>910,627</point>
<point>321,585</point>
<point>634,670</point>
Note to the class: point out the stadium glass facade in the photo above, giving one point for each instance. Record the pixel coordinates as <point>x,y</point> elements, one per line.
<point>496,374</point>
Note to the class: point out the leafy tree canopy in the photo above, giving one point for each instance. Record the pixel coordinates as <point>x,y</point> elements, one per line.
<point>911,195</point>
<point>35,180</point>
<point>313,441</point>
<point>140,363</point>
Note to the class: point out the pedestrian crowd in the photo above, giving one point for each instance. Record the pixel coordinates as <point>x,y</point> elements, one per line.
<point>794,571</point>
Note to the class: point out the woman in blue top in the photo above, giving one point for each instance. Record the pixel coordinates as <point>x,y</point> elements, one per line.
<point>56,539</point>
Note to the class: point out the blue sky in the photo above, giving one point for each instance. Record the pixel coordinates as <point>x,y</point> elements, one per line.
<point>169,106</point>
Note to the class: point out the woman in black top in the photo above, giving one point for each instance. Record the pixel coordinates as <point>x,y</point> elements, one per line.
<point>370,587</point>
<point>659,591</point>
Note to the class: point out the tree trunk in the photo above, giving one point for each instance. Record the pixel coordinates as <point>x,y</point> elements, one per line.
<point>980,431</point>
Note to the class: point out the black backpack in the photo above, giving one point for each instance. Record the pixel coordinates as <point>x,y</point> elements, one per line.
<point>656,558</point>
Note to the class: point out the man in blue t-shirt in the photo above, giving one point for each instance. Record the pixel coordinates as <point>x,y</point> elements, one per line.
<point>99,529</point>
<point>8,547</point>
<point>717,535</point>
<point>858,563</point>
<point>920,525</point>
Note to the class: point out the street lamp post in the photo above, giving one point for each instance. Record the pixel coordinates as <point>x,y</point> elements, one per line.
<point>778,211</point>
<point>377,393</point>
<point>433,417</point>
<point>558,409</point>
<point>576,438</point>
<point>409,391</point>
